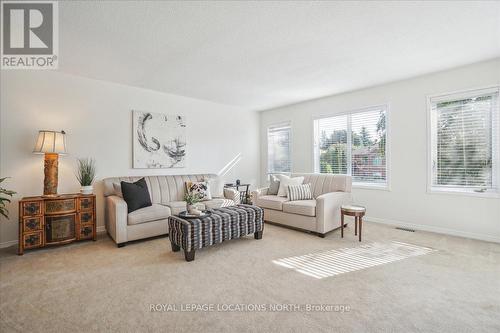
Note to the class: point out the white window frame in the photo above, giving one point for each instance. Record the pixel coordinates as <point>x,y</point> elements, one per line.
<point>278,125</point>
<point>360,185</point>
<point>431,189</point>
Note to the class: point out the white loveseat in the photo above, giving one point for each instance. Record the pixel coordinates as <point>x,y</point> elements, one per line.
<point>167,193</point>
<point>319,215</point>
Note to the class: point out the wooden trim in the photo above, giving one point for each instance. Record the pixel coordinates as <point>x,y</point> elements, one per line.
<point>38,234</point>
<point>49,200</point>
<point>79,203</point>
<point>25,210</point>
<point>20,247</point>
<point>61,215</point>
<point>25,220</point>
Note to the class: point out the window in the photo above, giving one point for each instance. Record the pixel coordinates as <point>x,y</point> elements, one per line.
<point>464,142</point>
<point>279,149</point>
<point>354,144</point>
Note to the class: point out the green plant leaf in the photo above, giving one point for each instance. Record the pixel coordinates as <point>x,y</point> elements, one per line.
<point>86,171</point>
<point>4,192</point>
<point>4,212</point>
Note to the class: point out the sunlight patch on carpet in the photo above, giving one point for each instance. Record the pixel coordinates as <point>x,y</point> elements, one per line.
<point>334,262</point>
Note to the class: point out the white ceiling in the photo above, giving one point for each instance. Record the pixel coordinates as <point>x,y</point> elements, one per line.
<point>260,55</point>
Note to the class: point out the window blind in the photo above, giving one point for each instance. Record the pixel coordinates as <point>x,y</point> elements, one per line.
<point>279,149</point>
<point>353,144</point>
<point>333,145</point>
<point>464,135</point>
<point>368,147</point>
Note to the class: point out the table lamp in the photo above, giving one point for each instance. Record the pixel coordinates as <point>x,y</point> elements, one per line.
<point>52,144</point>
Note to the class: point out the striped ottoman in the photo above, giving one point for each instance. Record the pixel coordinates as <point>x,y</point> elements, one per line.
<point>223,224</point>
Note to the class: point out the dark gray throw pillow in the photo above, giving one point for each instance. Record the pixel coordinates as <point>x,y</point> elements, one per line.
<point>274,185</point>
<point>136,195</point>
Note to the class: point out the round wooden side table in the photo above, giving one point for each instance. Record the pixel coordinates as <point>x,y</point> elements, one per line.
<point>352,210</point>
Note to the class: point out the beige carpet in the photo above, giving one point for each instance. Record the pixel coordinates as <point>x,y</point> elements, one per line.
<point>323,264</point>
<point>95,286</point>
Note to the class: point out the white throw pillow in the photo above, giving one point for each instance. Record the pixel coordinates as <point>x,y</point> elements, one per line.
<point>286,181</point>
<point>216,187</point>
<point>274,185</point>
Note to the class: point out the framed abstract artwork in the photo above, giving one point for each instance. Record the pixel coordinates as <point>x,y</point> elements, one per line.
<point>159,140</point>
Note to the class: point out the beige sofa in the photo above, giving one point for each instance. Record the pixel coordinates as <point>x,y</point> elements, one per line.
<point>166,194</point>
<point>320,215</point>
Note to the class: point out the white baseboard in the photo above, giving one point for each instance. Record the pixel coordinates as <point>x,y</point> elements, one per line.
<point>99,229</point>
<point>437,230</point>
<point>420,227</point>
<point>8,243</point>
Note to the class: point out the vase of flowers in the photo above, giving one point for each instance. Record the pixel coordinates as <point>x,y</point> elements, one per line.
<point>86,174</point>
<point>191,200</point>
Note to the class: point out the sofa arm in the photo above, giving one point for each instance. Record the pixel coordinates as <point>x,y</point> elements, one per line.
<point>116,218</point>
<point>328,210</point>
<point>232,194</point>
<point>258,193</point>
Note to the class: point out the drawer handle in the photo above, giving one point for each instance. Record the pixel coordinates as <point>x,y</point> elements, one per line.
<point>31,208</point>
<point>31,224</point>
<point>86,203</point>
<point>86,231</point>
<point>32,240</point>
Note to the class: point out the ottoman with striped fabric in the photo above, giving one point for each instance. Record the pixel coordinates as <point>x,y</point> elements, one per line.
<point>223,224</point>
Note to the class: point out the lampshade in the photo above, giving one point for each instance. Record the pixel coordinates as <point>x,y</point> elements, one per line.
<point>50,142</point>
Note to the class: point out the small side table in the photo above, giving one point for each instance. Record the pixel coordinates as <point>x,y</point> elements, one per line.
<point>243,191</point>
<point>352,210</point>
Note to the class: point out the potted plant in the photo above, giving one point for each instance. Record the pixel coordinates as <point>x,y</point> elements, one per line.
<point>86,174</point>
<point>191,199</point>
<point>3,199</point>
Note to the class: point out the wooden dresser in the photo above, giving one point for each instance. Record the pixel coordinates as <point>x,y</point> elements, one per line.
<point>62,219</point>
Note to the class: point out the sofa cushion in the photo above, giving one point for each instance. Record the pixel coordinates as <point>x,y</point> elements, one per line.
<point>136,195</point>
<point>271,202</point>
<point>301,207</point>
<point>286,181</point>
<point>148,214</point>
<point>200,189</point>
<point>274,185</point>
<point>322,183</point>
<point>218,203</point>
<point>299,192</point>
<point>179,206</point>
<point>216,186</point>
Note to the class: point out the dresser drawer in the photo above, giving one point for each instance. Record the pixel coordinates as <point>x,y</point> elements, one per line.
<point>86,217</point>
<point>32,208</point>
<point>60,206</point>
<point>86,203</point>
<point>31,224</point>
<point>33,240</point>
<point>86,231</point>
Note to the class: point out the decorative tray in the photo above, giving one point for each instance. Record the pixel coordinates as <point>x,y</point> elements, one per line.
<point>186,215</point>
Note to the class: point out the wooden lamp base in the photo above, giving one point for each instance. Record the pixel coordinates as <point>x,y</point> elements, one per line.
<point>51,164</point>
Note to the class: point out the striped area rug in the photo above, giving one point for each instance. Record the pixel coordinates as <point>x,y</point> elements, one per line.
<point>334,262</point>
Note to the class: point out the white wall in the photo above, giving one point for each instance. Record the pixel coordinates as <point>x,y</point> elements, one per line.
<point>407,203</point>
<point>97,118</point>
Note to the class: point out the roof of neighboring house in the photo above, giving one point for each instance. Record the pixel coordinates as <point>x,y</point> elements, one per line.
<point>361,150</point>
